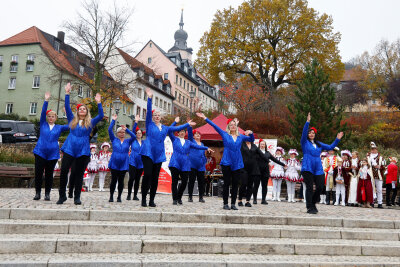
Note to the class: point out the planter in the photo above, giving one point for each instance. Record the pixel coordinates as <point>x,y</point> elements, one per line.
<point>14,63</point>
<point>30,62</point>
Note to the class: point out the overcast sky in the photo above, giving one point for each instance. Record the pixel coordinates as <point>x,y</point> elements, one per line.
<point>362,23</point>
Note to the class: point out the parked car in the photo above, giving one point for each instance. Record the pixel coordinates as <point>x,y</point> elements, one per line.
<point>17,131</point>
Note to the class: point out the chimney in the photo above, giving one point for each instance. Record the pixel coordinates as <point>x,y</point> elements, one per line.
<point>60,36</point>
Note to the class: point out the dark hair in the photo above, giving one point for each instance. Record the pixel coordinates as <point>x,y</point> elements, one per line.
<point>316,141</point>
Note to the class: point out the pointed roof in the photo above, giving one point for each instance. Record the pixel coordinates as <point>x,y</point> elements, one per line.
<point>134,63</point>
<point>29,36</point>
<point>209,133</point>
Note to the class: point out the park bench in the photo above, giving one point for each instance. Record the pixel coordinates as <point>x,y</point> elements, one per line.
<point>22,173</point>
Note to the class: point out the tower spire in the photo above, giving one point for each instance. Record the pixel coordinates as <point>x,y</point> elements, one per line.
<point>181,23</point>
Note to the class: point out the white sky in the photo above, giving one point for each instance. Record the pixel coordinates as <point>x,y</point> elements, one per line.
<point>362,23</point>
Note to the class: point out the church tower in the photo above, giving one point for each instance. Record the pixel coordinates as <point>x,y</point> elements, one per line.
<point>180,42</point>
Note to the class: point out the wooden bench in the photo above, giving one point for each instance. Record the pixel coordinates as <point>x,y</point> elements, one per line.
<point>22,173</point>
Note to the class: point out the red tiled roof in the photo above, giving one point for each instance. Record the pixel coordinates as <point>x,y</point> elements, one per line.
<point>29,36</point>
<point>166,82</point>
<point>124,97</point>
<point>134,63</point>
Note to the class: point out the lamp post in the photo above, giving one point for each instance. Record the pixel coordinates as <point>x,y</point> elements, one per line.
<point>192,95</point>
<point>117,106</point>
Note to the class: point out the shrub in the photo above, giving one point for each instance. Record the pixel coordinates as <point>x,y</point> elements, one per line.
<point>15,155</point>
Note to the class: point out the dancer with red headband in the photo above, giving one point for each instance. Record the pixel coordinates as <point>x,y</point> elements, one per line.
<point>153,150</point>
<point>77,146</point>
<point>47,150</point>
<point>311,169</point>
<point>232,161</point>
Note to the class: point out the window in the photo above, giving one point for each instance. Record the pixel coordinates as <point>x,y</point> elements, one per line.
<point>179,98</point>
<point>184,84</point>
<point>80,91</point>
<point>144,97</point>
<point>178,62</point>
<point>165,105</point>
<point>57,46</point>
<point>191,88</point>
<point>160,85</point>
<point>149,60</point>
<point>31,57</point>
<point>1,63</point>
<point>14,63</point>
<point>33,108</point>
<point>144,113</point>
<point>5,127</point>
<point>180,81</point>
<point>138,111</point>
<point>141,73</point>
<point>88,93</point>
<point>183,99</point>
<point>169,108</point>
<point>156,103</point>
<point>194,91</point>
<point>73,54</point>
<point>176,94</point>
<point>151,79</point>
<point>188,86</point>
<point>36,82</point>
<point>176,79</point>
<point>12,83</point>
<point>139,93</point>
<point>9,108</point>
<point>124,109</point>
<point>187,102</point>
<point>165,76</point>
<point>88,62</point>
<point>30,62</point>
<point>150,44</point>
<point>81,70</point>
<point>185,69</point>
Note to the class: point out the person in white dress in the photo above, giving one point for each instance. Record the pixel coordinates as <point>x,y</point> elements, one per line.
<point>323,155</point>
<point>277,174</point>
<point>104,158</point>
<point>92,167</point>
<point>355,166</point>
<point>292,174</point>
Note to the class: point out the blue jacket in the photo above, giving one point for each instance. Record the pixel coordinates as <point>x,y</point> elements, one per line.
<point>135,159</point>
<point>180,155</point>
<point>311,155</point>
<point>47,146</point>
<point>120,155</point>
<point>197,157</point>
<point>232,156</point>
<point>154,145</point>
<point>78,140</point>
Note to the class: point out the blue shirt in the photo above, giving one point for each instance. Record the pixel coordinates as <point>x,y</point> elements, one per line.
<point>120,155</point>
<point>197,157</point>
<point>232,155</point>
<point>180,156</point>
<point>135,159</point>
<point>311,155</point>
<point>47,146</point>
<point>78,140</point>
<point>154,145</point>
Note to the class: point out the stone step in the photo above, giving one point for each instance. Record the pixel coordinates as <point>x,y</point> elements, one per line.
<point>158,216</point>
<point>8,226</point>
<point>59,243</point>
<point>197,260</point>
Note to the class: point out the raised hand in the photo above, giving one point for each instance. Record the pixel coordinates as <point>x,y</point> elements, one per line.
<point>47,96</point>
<point>98,98</point>
<point>248,132</point>
<point>114,117</point>
<point>177,119</point>
<point>191,123</point>
<point>201,115</point>
<point>68,88</point>
<point>210,150</point>
<point>123,127</point>
<point>149,92</point>
<point>236,121</point>
<point>137,118</point>
<point>309,117</point>
<point>340,135</point>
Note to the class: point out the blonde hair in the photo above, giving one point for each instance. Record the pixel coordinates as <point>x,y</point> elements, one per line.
<point>229,131</point>
<point>87,121</point>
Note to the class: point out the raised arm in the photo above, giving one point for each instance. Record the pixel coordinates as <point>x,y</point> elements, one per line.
<point>110,130</point>
<point>172,129</point>
<point>331,146</point>
<point>190,134</point>
<point>277,161</point>
<point>149,114</point>
<point>100,113</point>
<point>304,134</point>
<point>137,118</point>
<point>132,134</point>
<point>196,146</point>
<point>249,138</point>
<point>44,108</point>
<point>219,130</point>
<point>68,111</point>
<point>171,135</point>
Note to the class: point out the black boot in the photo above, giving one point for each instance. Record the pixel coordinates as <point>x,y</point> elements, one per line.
<point>119,198</point>
<point>47,196</point>
<point>111,198</point>
<point>62,198</point>
<point>328,197</point>
<point>70,194</point>
<point>77,199</point>
<point>144,204</point>
<point>264,202</point>
<point>128,197</point>
<point>190,199</point>
<point>37,196</point>
<point>152,204</point>
<point>135,197</point>
<point>201,199</point>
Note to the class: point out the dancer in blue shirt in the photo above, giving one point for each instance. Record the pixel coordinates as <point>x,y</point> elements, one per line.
<point>153,150</point>
<point>311,169</point>
<point>232,161</point>
<point>135,162</point>
<point>77,146</point>
<point>47,150</point>
<point>119,161</point>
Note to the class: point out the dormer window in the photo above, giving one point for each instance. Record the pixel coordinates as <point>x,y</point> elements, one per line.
<point>185,69</point>
<point>57,46</point>
<point>141,73</point>
<point>178,62</point>
<point>81,70</point>
<point>151,79</point>
<point>160,85</point>
<point>88,62</point>
<point>73,54</point>
<point>149,60</point>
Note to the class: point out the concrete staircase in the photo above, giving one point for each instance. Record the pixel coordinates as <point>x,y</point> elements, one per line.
<point>64,237</point>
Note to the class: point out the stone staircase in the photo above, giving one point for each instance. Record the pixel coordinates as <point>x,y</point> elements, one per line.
<point>70,237</point>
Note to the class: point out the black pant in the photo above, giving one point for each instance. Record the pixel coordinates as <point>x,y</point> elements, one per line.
<point>263,178</point>
<point>177,192</point>
<point>389,189</point>
<point>73,176</point>
<point>47,166</point>
<point>80,165</point>
<point>312,196</point>
<point>119,176</point>
<point>230,177</point>
<point>200,182</point>
<point>150,177</point>
<point>134,179</point>
<point>246,188</point>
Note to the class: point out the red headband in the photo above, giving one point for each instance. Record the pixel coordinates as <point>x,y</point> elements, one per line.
<point>261,140</point>
<point>194,132</point>
<point>47,112</point>
<point>78,106</point>
<point>229,120</point>
<point>152,111</point>
<point>137,129</point>
<point>313,128</point>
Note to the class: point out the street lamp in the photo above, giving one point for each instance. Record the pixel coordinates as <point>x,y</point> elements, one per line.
<point>117,106</point>
<point>192,95</point>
